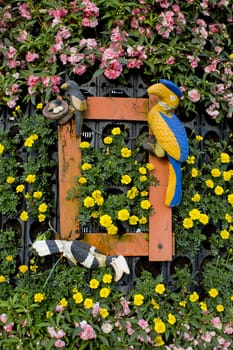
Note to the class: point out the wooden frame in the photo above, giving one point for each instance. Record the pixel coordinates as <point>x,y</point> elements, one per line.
<point>159,247</point>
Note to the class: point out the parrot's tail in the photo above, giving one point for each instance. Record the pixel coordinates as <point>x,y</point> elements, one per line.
<point>174,188</point>
<point>49,247</point>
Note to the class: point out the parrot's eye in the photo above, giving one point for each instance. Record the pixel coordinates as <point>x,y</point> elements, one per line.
<point>172,97</point>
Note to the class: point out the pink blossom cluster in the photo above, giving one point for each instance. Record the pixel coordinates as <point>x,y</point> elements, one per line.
<point>57,334</point>
<point>171,21</point>
<point>87,332</point>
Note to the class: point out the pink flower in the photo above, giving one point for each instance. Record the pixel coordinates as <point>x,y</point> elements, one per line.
<point>125,305</point>
<point>31,56</point>
<point>228,328</point>
<point>11,52</point>
<point>8,327</point>
<point>3,318</point>
<point>216,322</point>
<point>144,325</point>
<point>33,80</point>
<point>24,12</point>
<point>88,331</point>
<point>113,70</point>
<point>59,343</point>
<point>170,60</point>
<point>59,308</point>
<point>129,328</point>
<point>22,36</point>
<point>194,95</point>
<point>79,70</point>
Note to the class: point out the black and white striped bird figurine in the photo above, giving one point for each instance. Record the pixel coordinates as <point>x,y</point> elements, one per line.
<point>83,253</point>
<point>77,102</point>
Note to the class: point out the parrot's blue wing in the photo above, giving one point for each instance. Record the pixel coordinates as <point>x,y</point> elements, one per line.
<point>174,187</point>
<point>178,138</point>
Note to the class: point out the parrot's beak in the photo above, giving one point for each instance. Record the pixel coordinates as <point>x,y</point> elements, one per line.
<point>156,89</point>
<point>64,86</point>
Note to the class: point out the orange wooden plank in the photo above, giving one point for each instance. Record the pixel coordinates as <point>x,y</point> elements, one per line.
<point>129,244</point>
<point>68,160</point>
<point>117,108</point>
<point>160,226</point>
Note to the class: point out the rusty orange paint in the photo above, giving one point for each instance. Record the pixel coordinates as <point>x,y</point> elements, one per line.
<point>160,244</point>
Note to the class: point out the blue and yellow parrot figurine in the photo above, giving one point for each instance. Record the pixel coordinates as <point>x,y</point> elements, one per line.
<point>170,136</point>
<point>77,102</point>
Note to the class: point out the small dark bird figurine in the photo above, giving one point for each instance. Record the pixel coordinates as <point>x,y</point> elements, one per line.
<point>170,137</point>
<point>77,102</point>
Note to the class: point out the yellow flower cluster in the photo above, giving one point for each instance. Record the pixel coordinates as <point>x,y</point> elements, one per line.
<point>195,214</point>
<point>30,140</point>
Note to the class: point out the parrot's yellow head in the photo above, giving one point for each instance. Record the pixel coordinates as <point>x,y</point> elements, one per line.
<point>167,92</point>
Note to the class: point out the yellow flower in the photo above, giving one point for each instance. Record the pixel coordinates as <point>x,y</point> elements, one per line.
<point>63,302</point>
<point>183,303</point>
<point>195,214</point>
<point>160,288</point>
<point>112,229</point>
<point>39,105</point>
<point>159,326</point>
<point>138,299</point>
<point>126,152</point>
<point>43,208</point>
<point>84,144</point>
<point>144,193</point>
<point>88,303</point>
<point>196,197</point>
<point>82,180</point>
<point>19,188</point>
<point>204,219</point>
<point>220,308</point>
<point>10,179</point>
<point>133,220</point>
<point>107,278</point>
<point>116,131</point>
<point>225,158</point>
<point>143,178</point>
<point>194,297</point>
<point>225,234</point>
<point>41,217</point>
<point>188,223</point>
<point>86,166</point>
<point>94,283</point>
<point>24,216</point>
<point>95,214</point>
<point>143,220</point>
<point>104,292</point>
<point>228,218</point>
<point>31,178</point>
<point>230,198</point>
<point>227,175</point>
<point>18,108</point>
<point>38,297</point>
<point>194,172</point>
<point>209,183</point>
<point>105,220</point>
<point>215,172</point>
<point>199,138</point>
<point>23,268</point>
<point>142,170</point>
<point>107,140</point>
<point>49,314</point>
<point>159,341</point>
<point>125,179</point>
<point>213,292</point>
<point>78,298</point>
<point>150,166</point>
<point>155,304</point>
<point>37,194</point>
<point>2,147</point>
<point>132,192</point>
<point>123,214</point>
<point>231,56</point>
<point>218,190</point>
<point>33,268</point>
<point>191,160</point>
<point>203,306</point>
<point>171,319</point>
<point>145,204</point>
<point>2,278</point>
<point>104,312</point>
<point>9,258</point>
<point>89,202</point>
<point>28,142</point>
<point>27,195</point>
